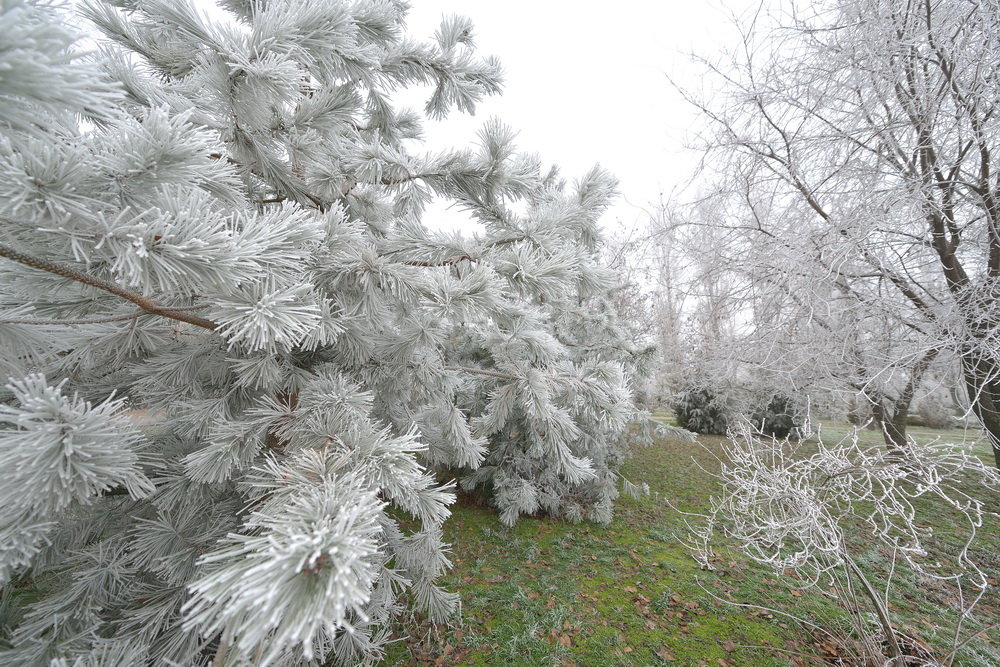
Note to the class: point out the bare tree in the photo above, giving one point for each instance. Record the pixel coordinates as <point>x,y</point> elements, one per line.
<point>697,305</point>
<point>781,308</point>
<point>873,127</point>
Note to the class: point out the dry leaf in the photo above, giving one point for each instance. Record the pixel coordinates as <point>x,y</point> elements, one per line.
<point>665,655</point>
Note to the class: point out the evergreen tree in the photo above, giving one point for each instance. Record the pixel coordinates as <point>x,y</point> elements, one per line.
<point>243,372</point>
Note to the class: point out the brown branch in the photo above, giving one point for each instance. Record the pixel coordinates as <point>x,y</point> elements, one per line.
<point>147,305</point>
<point>95,320</point>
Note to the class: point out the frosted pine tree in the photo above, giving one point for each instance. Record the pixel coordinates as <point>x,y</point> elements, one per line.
<point>242,372</point>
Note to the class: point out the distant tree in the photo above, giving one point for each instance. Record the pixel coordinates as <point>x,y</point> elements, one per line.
<point>236,355</point>
<point>873,127</point>
<point>697,304</point>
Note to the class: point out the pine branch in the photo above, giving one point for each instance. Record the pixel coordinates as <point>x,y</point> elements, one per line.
<point>96,320</point>
<point>147,305</point>
<point>479,371</point>
<point>317,203</point>
<point>465,369</point>
<point>407,179</point>
<point>451,261</point>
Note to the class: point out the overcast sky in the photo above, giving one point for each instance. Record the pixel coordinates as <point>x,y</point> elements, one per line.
<point>587,82</point>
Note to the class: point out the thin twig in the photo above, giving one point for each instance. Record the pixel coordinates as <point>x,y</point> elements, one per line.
<point>880,610</point>
<point>451,261</point>
<point>948,659</point>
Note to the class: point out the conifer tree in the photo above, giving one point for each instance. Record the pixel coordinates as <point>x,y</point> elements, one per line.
<point>243,373</point>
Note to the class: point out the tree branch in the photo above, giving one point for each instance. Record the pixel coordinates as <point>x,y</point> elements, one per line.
<point>479,371</point>
<point>96,320</point>
<point>147,305</point>
<point>455,259</point>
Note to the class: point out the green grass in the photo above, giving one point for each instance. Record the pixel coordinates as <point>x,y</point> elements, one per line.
<point>547,592</point>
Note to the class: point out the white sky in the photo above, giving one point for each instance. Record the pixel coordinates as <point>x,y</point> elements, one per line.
<point>586,82</point>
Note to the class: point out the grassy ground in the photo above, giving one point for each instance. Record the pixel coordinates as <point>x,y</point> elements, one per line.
<point>547,592</point>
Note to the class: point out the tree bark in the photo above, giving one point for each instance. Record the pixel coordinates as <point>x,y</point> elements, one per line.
<point>891,420</point>
<point>891,414</point>
<point>983,385</point>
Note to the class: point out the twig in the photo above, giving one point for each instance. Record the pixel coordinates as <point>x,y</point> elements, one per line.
<point>883,614</point>
<point>948,659</point>
<point>451,261</point>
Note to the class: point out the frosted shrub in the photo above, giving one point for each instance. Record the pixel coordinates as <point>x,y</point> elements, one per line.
<point>777,416</point>
<point>814,513</point>
<point>704,410</point>
<point>936,411</point>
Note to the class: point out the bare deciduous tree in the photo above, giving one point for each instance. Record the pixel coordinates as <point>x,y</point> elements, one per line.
<point>873,126</point>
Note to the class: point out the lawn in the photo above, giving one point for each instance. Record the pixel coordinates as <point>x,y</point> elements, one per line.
<point>548,592</point>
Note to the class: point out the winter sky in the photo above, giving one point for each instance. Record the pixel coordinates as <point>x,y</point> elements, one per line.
<point>588,82</point>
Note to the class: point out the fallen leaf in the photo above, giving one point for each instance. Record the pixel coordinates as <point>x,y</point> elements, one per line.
<point>666,656</point>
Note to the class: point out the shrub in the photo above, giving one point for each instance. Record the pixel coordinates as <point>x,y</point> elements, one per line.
<point>777,416</point>
<point>816,515</point>
<point>703,410</point>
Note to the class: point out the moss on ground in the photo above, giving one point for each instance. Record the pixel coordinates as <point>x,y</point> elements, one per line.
<point>548,592</point>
